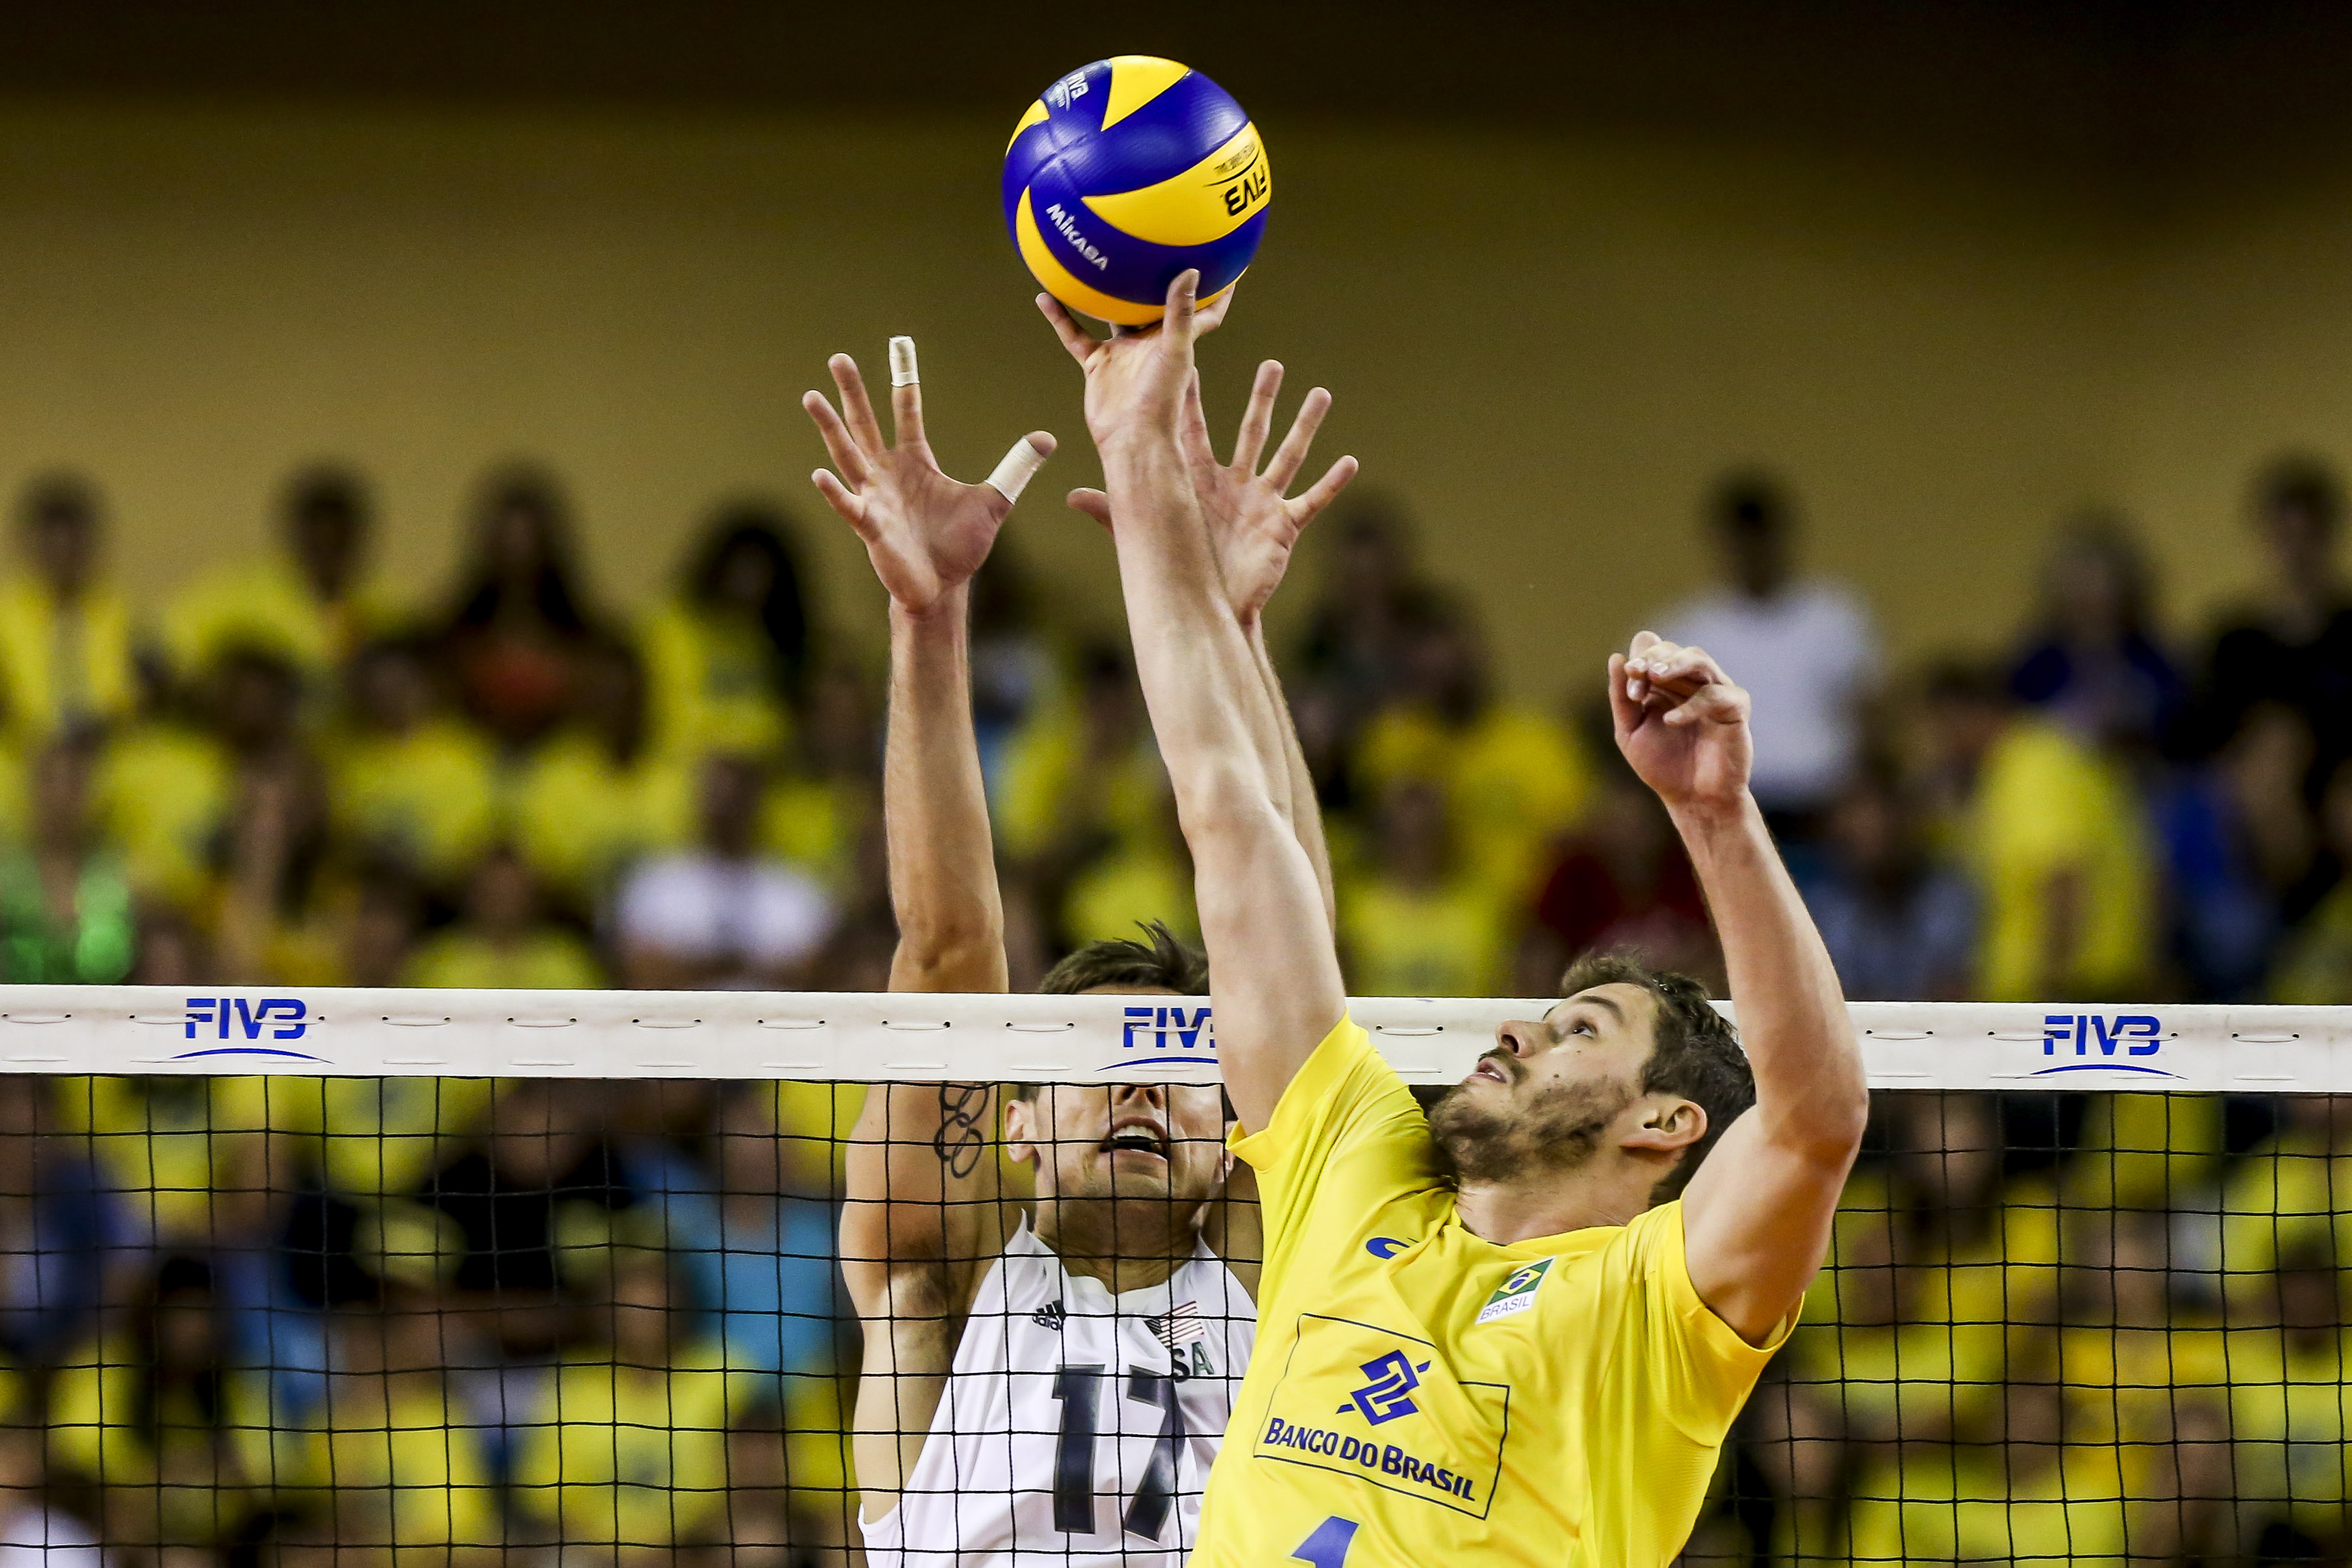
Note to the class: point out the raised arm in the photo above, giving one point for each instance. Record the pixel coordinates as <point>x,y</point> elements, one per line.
<point>1756,1216</point>
<point>1273,969</point>
<point>922,1176</point>
<point>1254,525</point>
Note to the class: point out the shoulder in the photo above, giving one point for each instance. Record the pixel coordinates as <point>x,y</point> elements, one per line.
<point>1344,1082</point>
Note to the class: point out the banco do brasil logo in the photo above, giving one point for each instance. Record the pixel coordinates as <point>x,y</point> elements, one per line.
<point>1389,1393</point>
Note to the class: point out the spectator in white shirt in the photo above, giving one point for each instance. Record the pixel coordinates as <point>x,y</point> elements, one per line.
<point>34,1531</point>
<point>1804,648</point>
<point>723,916</point>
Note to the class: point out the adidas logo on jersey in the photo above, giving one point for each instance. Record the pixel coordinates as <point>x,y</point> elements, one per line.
<point>1048,1316</point>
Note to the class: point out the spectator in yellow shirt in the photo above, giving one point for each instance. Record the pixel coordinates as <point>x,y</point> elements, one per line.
<point>307,602</point>
<point>823,808</point>
<point>1085,817</point>
<point>628,1450</point>
<point>2314,969</point>
<point>727,656</point>
<point>2031,1497</point>
<point>2290,1193</point>
<point>1418,922</point>
<point>66,911</point>
<point>161,1421</point>
<point>1347,663</point>
<point>2055,837</point>
<point>65,633</point>
<point>412,783</point>
<point>501,942</point>
<point>597,796</point>
<point>161,788</point>
<point>391,1452</point>
<point>1514,778</point>
<point>187,1157</point>
<point>2291,1404</point>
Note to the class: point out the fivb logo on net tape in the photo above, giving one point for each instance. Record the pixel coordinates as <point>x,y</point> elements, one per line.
<point>1150,1035</point>
<point>246,1018</point>
<point>2102,1043</point>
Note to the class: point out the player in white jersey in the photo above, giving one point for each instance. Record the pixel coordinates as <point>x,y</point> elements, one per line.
<point>1044,1382</point>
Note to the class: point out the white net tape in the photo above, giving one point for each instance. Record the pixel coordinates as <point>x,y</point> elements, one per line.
<point>880,1037</point>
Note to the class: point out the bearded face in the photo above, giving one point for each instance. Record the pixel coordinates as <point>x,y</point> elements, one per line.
<point>1534,1130</point>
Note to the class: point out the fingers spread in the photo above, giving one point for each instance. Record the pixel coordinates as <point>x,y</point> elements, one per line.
<point>837,496</point>
<point>1183,303</point>
<point>856,408</point>
<point>1324,491</point>
<point>1192,430</point>
<point>1212,315</point>
<point>1074,338</point>
<point>1019,465</point>
<point>1093,503</point>
<point>1292,455</point>
<point>839,443</point>
<point>1257,418</point>
<point>906,414</point>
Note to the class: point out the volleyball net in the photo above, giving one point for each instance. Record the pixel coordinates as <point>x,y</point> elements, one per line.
<point>487,1273</point>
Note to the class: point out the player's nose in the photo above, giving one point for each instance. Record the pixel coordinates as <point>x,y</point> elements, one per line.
<point>1518,1037</point>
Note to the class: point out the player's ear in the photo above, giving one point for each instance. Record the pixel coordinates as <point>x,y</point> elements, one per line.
<point>1665,1125</point>
<point>1024,1124</point>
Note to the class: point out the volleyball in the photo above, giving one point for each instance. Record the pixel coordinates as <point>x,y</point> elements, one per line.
<point>1127,172</point>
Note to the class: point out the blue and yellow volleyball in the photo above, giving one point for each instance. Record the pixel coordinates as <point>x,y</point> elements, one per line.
<point>1124,173</point>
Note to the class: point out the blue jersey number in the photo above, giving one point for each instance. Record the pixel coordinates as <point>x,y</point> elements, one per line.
<point>1327,1547</point>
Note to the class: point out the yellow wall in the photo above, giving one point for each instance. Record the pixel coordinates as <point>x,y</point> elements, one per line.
<point>1547,347</point>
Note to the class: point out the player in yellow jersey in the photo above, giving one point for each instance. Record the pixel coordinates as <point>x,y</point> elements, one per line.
<point>1518,1330</point>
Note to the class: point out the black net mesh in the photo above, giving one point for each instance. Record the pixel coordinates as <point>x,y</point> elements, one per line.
<point>357,1320</point>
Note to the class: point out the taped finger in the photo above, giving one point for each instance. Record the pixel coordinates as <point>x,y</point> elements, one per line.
<point>902,362</point>
<point>1020,465</point>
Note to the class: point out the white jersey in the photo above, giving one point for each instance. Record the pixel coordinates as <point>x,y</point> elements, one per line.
<point>1077,1427</point>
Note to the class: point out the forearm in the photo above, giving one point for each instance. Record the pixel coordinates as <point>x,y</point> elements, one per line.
<point>1305,813</point>
<point>935,808</point>
<point>1801,1045</point>
<point>1199,675</point>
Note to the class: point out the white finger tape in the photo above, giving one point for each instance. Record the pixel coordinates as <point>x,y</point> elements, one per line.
<point>1013,473</point>
<point>902,362</point>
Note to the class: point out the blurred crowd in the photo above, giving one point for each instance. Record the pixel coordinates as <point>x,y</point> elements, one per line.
<point>247,1320</point>
<point>284,774</point>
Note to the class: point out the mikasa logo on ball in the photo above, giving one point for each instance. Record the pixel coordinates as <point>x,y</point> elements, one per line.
<point>1077,241</point>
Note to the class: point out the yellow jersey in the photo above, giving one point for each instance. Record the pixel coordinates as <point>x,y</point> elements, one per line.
<point>1419,1394</point>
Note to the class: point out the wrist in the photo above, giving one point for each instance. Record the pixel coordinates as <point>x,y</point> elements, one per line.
<point>1707,817</point>
<point>1144,444</point>
<point>946,614</point>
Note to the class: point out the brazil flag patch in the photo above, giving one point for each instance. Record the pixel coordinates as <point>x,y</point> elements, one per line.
<point>1518,1294</point>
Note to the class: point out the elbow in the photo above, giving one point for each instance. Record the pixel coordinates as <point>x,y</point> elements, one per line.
<point>1826,1128</point>
<point>1221,795</point>
<point>949,956</point>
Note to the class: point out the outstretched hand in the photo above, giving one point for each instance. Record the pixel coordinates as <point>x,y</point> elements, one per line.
<point>925,533</point>
<point>1681,723</point>
<point>1136,379</point>
<point>1253,523</point>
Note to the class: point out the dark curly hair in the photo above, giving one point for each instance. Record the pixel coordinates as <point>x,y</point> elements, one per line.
<point>1695,1052</point>
<point>1162,961</point>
